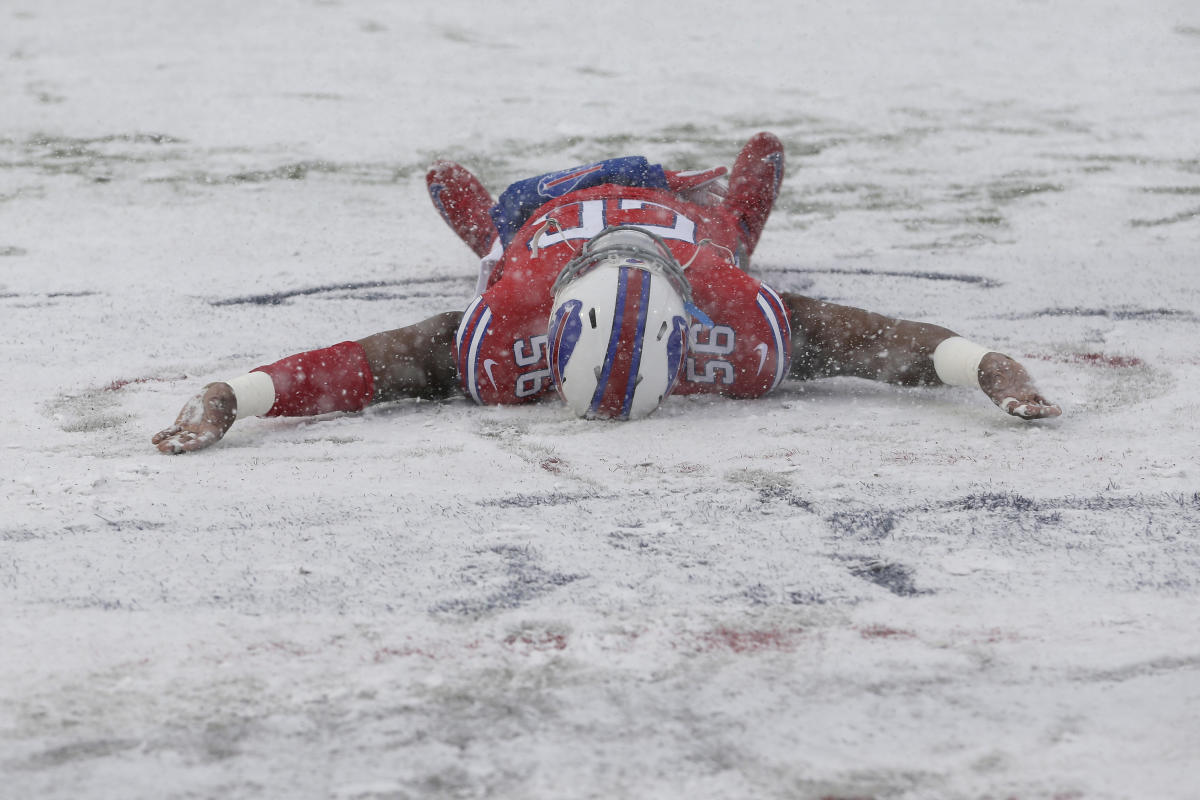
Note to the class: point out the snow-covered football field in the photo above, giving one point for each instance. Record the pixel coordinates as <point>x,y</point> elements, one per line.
<point>845,590</point>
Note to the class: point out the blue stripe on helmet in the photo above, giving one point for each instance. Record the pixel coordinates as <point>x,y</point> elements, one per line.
<point>636,361</point>
<point>613,339</point>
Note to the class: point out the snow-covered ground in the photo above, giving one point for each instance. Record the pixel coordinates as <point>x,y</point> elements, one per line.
<point>842,591</point>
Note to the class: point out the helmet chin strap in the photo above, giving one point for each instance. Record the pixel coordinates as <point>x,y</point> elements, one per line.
<point>700,244</point>
<point>537,235</point>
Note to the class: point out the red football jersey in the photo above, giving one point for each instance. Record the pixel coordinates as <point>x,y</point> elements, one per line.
<point>502,342</point>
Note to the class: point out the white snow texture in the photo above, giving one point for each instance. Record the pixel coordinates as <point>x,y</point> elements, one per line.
<point>843,590</point>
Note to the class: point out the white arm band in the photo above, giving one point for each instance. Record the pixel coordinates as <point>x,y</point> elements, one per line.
<point>254,392</point>
<point>956,361</point>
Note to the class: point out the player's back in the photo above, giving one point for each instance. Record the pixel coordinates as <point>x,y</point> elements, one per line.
<point>502,339</point>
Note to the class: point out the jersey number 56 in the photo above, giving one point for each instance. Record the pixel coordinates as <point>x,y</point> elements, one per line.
<point>706,347</point>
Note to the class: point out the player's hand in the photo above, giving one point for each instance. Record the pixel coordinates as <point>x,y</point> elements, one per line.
<point>1009,386</point>
<point>202,421</point>
<point>704,187</point>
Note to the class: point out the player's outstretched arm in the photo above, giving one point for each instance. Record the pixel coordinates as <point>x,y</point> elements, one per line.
<point>830,339</point>
<point>414,361</point>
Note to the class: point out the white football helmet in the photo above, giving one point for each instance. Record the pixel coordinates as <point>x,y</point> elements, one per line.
<point>619,328</point>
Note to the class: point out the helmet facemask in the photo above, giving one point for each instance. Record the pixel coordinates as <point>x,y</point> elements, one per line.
<point>618,331</point>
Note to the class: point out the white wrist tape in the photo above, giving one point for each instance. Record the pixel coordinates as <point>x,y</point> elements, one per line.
<point>255,394</point>
<point>956,361</point>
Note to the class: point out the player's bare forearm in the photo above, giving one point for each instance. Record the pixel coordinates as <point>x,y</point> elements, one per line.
<point>831,339</point>
<point>416,360</point>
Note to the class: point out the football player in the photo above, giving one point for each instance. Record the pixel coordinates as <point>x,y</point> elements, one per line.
<point>612,285</point>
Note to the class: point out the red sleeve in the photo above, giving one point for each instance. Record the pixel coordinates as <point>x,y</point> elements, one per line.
<point>748,351</point>
<point>337,378</point>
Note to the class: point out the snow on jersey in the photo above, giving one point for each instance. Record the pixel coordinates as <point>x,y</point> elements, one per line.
<point>502,341</point>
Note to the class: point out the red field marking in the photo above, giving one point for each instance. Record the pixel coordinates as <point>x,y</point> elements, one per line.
<point>1092,359</point>
<point>537,640</point>
<point>388,653</point>
<point>750,641</point>
<point>1103,360</point>
<point>909,457</point>
<point>884,632</point>
<point>995,635</point>
<point>121,383</point>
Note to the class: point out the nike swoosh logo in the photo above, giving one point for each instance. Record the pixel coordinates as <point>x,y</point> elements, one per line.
<point>487,367</point>
<point>762,355</point>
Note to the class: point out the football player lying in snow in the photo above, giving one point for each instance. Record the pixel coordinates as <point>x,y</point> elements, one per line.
<point>613,285</point>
